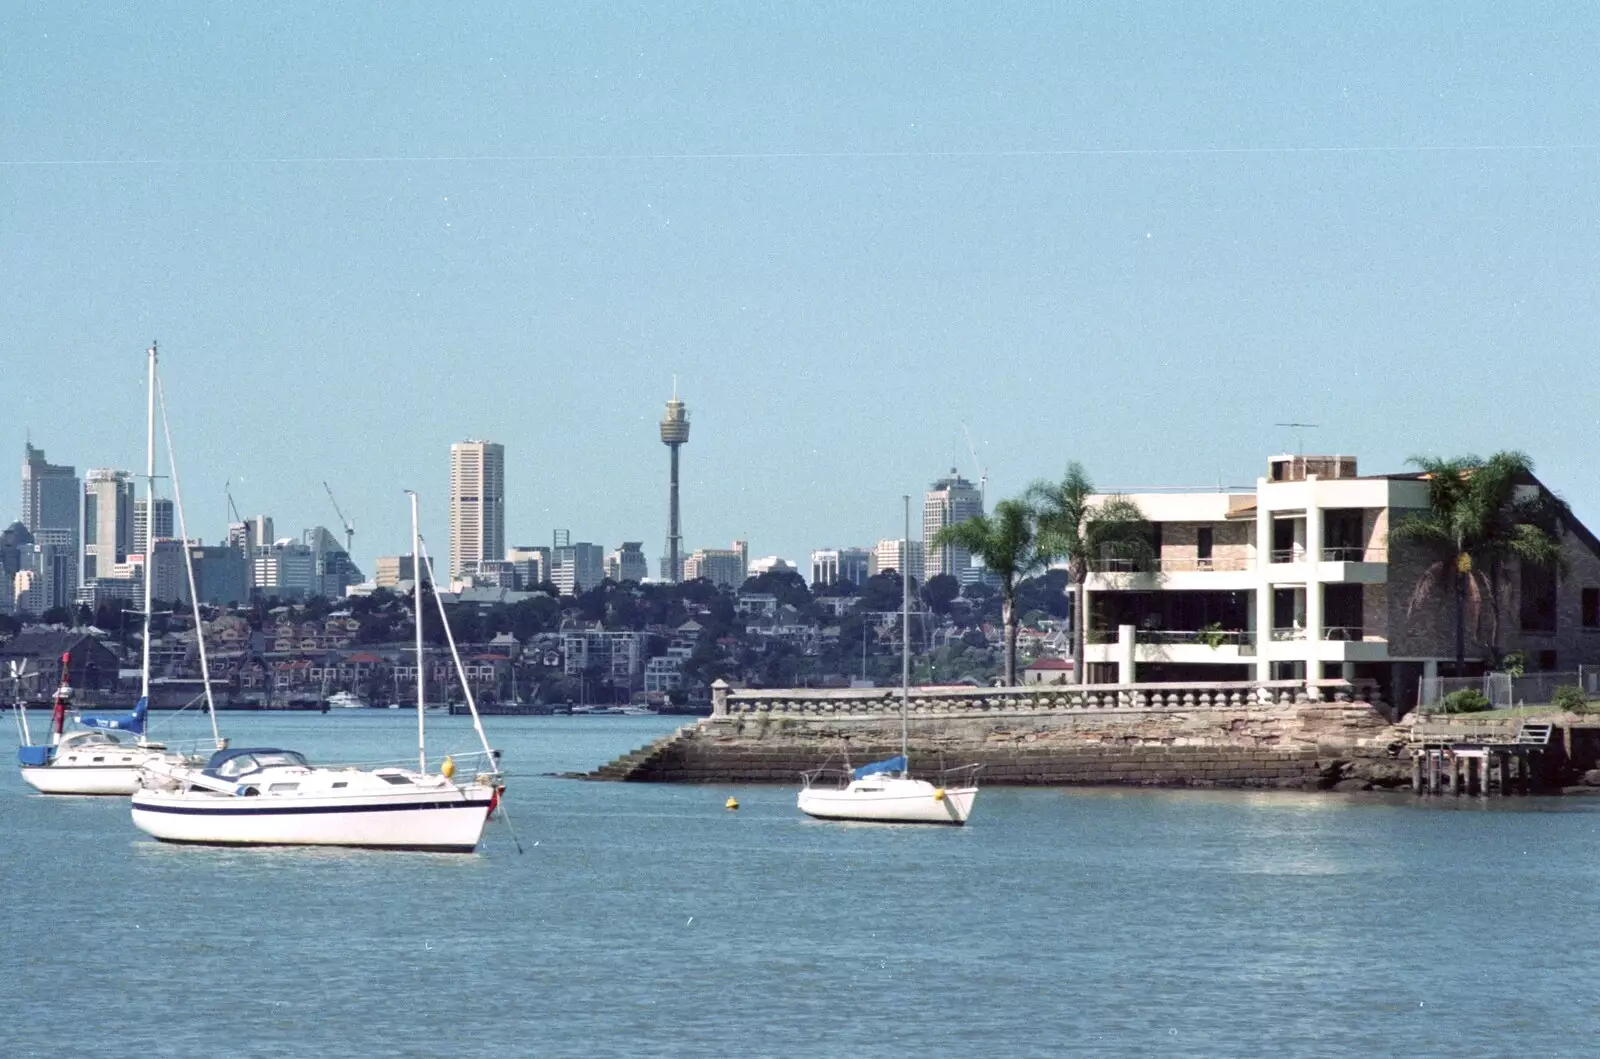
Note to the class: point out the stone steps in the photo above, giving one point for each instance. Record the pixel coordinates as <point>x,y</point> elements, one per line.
<point>636,764</point>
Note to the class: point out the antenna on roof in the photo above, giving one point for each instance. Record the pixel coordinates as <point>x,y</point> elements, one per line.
<point>1300,435</point>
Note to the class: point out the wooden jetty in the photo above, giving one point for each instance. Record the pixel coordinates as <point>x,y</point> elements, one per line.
<point>1460,758</point>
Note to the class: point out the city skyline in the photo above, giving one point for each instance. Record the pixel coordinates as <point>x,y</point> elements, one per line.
<point>1140,239</point>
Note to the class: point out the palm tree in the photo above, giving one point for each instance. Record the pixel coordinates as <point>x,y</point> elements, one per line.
<point>1476,524</point>
<point>1072,526</point>
<point>1008,543</point>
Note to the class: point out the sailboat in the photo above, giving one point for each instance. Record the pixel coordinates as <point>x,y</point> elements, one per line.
<point>885,791</point>
<point>270,796</point>
<point>92,758</point>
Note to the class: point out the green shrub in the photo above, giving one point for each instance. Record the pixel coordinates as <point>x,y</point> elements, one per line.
<point>1570,697</point>
<point>1467,700</point>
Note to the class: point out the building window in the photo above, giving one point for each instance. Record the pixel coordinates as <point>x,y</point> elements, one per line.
<point>1591,608</point>
<point>1538,609</point>
<point>1202,546</point>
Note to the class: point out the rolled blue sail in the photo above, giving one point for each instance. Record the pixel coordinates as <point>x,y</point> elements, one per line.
<point>894,764</point>
<point>127,722</point>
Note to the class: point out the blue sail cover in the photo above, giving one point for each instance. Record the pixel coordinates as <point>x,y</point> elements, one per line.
<point>127,722</point>
<point>894,764</point>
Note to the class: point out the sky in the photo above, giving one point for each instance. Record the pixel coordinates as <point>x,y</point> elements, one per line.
<point>1138,235</point>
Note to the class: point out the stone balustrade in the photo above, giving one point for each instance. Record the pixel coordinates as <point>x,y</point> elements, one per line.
<point>1033,698</point>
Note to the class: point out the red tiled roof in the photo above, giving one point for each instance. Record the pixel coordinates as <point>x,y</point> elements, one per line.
<point>1052,663</point>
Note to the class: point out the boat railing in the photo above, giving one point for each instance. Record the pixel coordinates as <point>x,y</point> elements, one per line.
<point>827,776</point>
<point>959,776</point>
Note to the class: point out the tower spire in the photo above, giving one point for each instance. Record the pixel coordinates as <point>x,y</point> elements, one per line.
<point>674,434</point>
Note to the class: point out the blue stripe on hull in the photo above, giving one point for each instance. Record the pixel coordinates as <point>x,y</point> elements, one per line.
<point>312,810</point>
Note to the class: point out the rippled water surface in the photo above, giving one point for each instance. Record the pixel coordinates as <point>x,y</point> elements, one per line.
<point>647,920</point>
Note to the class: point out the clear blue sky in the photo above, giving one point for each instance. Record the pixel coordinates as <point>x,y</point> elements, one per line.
<point>1133,234</point>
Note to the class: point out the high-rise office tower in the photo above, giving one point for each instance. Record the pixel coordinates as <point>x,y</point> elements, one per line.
<point>477,504</point>
<point>674,435</point>
<point>950,501</point>
<point>166,526</point>
<point>51,510</point>
<point>107,521</point>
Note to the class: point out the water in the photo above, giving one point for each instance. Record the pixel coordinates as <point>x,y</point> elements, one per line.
<point>647,920</point>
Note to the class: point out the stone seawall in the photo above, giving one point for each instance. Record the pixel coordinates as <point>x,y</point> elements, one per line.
<point>1306,745</point>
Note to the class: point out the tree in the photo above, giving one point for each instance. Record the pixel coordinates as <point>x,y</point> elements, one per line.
<point>941,591</point>
<point>1476,524</point>
<point>1008,543</point>
<point>1072,526</point>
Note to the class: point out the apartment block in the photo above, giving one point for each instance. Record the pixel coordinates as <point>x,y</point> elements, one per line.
<point>1298,579</point>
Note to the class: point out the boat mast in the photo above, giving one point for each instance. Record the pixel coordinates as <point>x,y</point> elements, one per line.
<point>905,638</point>
<point>416,581</point>
<point>149,518</point>
<point>188,564</point>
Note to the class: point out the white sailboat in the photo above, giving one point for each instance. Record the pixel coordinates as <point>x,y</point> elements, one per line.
<point>272,796</point>
<point>94,758</point>
<point>885,791</point>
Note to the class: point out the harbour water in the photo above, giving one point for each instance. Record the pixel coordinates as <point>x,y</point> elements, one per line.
<point>648,920</point>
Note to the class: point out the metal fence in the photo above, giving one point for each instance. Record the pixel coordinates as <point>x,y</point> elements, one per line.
<point>1505,691</point>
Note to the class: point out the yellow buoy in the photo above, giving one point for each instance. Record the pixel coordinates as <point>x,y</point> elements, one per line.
<point>938,794</point>
<point>731,803</point>
<point>447,768</point>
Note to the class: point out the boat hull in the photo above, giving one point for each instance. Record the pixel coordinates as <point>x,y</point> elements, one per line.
<point>76,772</point>
<point>83,779</point>
<point>902,802</point>
<point>450,821</point>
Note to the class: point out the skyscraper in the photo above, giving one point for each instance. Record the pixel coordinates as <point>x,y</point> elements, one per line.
<point>674,435</point>
<point>950,501</point>
<point>107,521</point>
<point>166,527</point>
<point>51,509</point>
<point>477,504</point>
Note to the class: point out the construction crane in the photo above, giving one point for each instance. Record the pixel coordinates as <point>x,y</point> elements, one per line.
<point>983,476</point>
<point>227,490</point>
<point>349,527</point>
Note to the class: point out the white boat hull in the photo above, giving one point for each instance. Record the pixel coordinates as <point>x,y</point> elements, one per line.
<point>77,772</point>
<point>85,779</point>
<point>450,820</point>
<point>897,801</point>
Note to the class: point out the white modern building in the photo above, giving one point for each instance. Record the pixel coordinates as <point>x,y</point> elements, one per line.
<point>950,501</point>
<point>287,570</point>
<point>727,568</point>
<point>897,555</point>
<point>108,521</point>
<point>615,654</point>
<point>576,568</point>
<point>771,564</point>
<point>829,566</point>
<point>477,504</point>
<point>532,564</point>
<point>628,563</point>
<point>1296,579</point>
